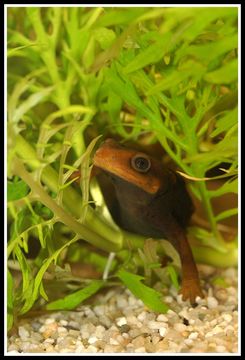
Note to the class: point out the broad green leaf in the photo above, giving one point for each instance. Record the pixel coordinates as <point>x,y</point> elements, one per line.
<point>10,316</point>
<point>17,190</point>
<point>227,74</point>
<point>150,297</point>
<point>71,301</point>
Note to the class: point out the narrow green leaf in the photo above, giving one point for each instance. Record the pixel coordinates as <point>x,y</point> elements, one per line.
<point>226,122</point>
<point>173,276</point>
<point>227,213</point>
<point>150,297</point>
<point>37,283</point>
<point>71,301</point>
<point>10,317</point>
<point>40,236</point>
<point>151,55</point>
<point>25,269</point>
<point>17,190</point>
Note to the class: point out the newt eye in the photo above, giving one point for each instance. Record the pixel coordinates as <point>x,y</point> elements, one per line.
<point>141,163</point>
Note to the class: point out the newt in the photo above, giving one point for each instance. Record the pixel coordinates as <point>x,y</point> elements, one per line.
<point>151,200</point>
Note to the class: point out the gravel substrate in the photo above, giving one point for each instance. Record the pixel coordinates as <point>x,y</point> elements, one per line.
<point>120,323</point>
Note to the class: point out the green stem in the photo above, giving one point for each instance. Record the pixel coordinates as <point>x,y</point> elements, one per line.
<point>91,236</point>
<point>206,255</point>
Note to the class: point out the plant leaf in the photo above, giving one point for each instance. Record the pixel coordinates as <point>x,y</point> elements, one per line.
<point>17,190</point>
<point>150,297</point>
<point>71,301</point>
<point>10,317</point>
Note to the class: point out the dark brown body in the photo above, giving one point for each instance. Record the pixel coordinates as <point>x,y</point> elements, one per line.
<point>154,203</point>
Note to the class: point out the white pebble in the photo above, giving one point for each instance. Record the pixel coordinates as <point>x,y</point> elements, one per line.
<point>113,341</point>
<point>162,317</point>
<point>155,325</point>
<point>48,341</point>
<point>42,329</point>
<point>13,352</point>
<point>91,349</point>
<point>217,330</point>
<point>61,329</point>
<point>163,331</point>
<point>168,299</point>
<point>49,321</point>
<point>212,302</point>
<point>122,302</point>
<point>193,335</point>
<point>23,333</point>
<point>121,321</point>
<point>92,339</point>
<point>63,322</point>
<point>141,317</point>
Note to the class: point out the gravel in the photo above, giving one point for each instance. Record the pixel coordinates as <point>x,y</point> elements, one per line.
<point>120,323</point>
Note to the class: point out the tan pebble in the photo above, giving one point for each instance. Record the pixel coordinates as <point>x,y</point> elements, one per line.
<point>51,329</point>
<point>188,342</point>
<point>221,348</point>
<point>221,294</point>
<point>140,350</point>
<point>180,327</point>
<point>227,317</point>
<point>139,341</point>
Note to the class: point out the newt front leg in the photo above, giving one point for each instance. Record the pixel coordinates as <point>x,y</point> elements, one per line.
<point>175,234</point>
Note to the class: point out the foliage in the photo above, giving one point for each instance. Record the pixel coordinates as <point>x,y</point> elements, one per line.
<point>162,74</point>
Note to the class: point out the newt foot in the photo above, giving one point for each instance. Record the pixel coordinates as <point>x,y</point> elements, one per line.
<point>190,290</point>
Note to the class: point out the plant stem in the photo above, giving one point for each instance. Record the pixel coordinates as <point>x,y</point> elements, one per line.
<point>91,236</point>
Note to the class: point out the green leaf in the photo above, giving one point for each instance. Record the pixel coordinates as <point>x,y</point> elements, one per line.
<point>10,317</point>
<point>173,276</point>
<point>226,122</point>
<point>150,297</point>
<point>227,74</point>
<point>38,279</point>
<point>225,214</point>
<point>104,36</point>
<point>17,190</point>
<point>71,301</point>
<point>31,101</point>
<point>230,186</point>
<point>25,269</point>
<point>151,55</point>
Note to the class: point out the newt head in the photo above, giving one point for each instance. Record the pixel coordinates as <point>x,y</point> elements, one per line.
<point>133,166</point>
